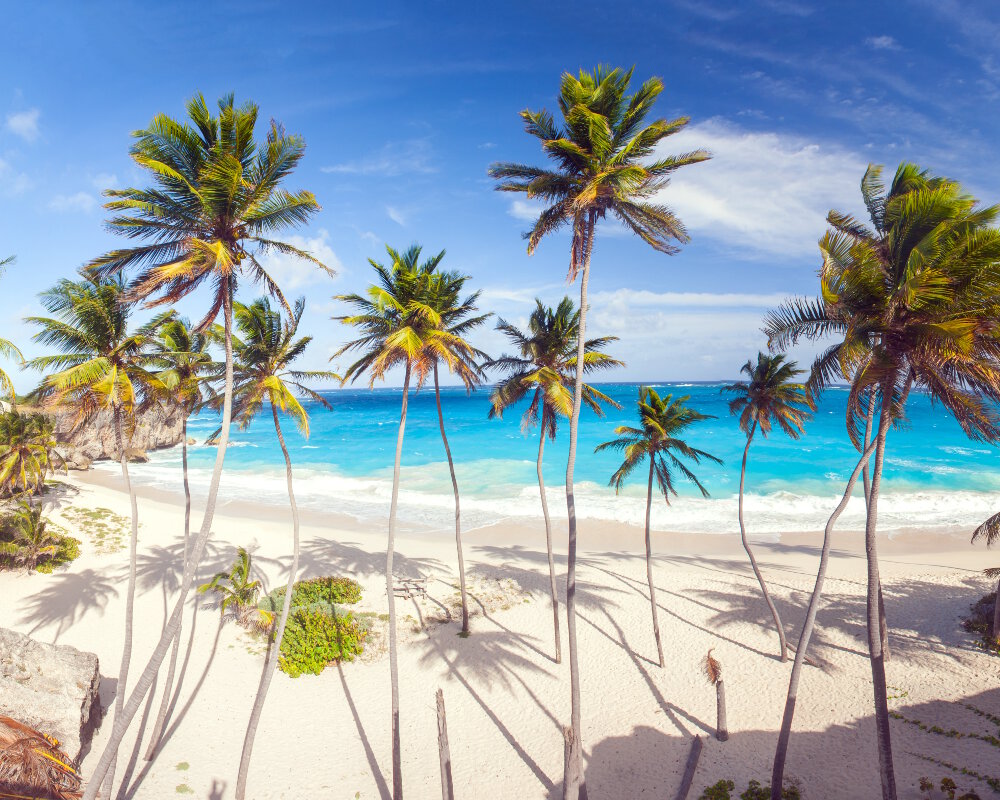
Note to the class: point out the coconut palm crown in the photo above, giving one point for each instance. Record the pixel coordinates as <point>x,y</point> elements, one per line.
<point>771,395</point>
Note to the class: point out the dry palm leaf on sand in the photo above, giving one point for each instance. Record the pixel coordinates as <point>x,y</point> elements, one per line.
<point>32,765</point>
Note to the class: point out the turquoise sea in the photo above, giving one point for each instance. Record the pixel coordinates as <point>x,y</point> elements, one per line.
<point>934,476</point>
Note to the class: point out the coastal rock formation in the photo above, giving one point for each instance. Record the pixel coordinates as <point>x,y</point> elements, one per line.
<point>157,428</point>
<point>53,688</point>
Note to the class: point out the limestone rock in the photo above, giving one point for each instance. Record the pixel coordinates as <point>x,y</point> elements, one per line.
<point>52,688</point>
<point>155,429</point>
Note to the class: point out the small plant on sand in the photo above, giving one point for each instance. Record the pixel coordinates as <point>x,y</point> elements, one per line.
<point>949,790</point>
<point>722,790</point>
<point>106,530</point>
<point>28,540</point>
<point>238,593</point>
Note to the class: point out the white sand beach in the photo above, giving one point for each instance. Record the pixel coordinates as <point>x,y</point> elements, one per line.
<point>328,736</point>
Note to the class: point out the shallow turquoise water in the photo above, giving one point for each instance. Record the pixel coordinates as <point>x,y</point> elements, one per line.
<point>934,476</point>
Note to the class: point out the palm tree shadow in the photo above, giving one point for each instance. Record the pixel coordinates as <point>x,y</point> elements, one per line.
<point>123,787</point>
<point>321,556</point>
<point>383,787</point>
<point>67,597</point>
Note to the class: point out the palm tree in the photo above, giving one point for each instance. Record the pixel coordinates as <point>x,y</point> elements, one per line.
<point>458,318</point>
<point>264,349</point>
<point>27,452</point>
<point>101,365</point>
<point>989,531</point>
<point>216,200</point>
<point>662,421</point>
<point>182,354</point>
<point>398,329</point>
<point>916,306</point>
<point>602,155</point>
<point>30,538</point>
<point>238,593</point>
<point>769,396</point>
<point>544,369</point>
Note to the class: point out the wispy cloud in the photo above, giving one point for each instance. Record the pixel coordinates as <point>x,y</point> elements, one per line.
<point>12,182</point>
<point>24,124</point>
<point>882,43</point>
<point>766,194</point>
<point>396,215</point>
<point>399,158</point>
<point>81,202</point>
<point>292,273</point>
<point>525,210</point>
<point>104,180</point>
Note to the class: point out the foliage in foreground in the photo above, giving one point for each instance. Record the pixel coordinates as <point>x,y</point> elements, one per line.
<point>326,591</point>
<point>722,790</point>
<point>949,789</point>
<point>315,637</point>
<point>238,592</point>
<point>28,540</point>
<point>980,622</point>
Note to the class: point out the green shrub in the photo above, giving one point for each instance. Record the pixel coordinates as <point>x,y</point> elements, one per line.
<point>723,791</point>
<point>68,550</point>
<point>980,622</point>
<point>314,638</point>
<point>315,592</point>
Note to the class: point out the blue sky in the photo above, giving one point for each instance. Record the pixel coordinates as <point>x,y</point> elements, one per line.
<point>404,105</point>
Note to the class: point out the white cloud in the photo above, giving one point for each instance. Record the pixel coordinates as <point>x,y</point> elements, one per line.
<point>396,215</point>
<point>763,193</point>
<point>291,273</point>
<point>12,183</point>
<point>629,299</point>
<point>526,210</point>
<point>81,201</point>
<point>882,43</point>
<point>24,124</point>
<point>104,180</point>
<point>398,158</point>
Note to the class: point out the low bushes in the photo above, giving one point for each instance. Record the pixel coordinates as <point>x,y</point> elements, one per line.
<point>315,591</point>
<point>315,637</point>
<point>28,540</point>
<point>723,791</point>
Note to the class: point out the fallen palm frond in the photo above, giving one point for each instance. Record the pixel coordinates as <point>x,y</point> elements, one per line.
<point>32,765</point>
<point>713,669</point>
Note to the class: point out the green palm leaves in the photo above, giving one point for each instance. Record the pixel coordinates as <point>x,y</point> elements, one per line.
<point>604,161</point>
<point>545,367</point>
<point>771,395</point>
<point>27,452</point>
<point>184,361</point>
<point>214,207</point>
<point>662,420</point>
<point>100,363</point>
<point>264,347</point>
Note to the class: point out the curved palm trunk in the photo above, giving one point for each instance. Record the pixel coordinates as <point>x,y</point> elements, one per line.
<point>882,623</point>
<point>574,786</point>
<point>271,663</point>
<point>753,561</point>
<point>458,512</point>
<point>161,716</point>
<point>553,591</point>
<point>397,757</point>
<point>649,565</point>
<point>874,632</point>
<point>148,675</point>
<point>996,616</point>
<point>126,661</point>
<point>778,769</point>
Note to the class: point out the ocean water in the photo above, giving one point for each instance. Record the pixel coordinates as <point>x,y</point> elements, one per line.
<point>934,476</point>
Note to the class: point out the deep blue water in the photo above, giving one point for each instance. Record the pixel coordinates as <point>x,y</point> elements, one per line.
<point>934,476</point>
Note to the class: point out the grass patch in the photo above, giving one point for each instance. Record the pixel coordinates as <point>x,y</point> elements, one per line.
<point>107,530</point>
<point>183,766</point>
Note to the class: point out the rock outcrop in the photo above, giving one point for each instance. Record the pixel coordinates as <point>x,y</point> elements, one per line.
<point>157,428</point>
<point>52,688</point>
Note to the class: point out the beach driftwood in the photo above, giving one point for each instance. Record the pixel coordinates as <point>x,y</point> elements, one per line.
<point>444,752</point>
<point>690,768</point>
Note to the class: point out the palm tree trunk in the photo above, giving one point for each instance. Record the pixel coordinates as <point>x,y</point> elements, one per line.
<point>161,716</point>
<point>397,756</point>
<point>874,633</point>
<point>458,512</point>
<point>148,675</point>
<point>753,561</point>
<point>553,591</point>
<point>574,785</point>
<point>271,662</point>
<point>649,566</point>
<point>778,769</point>
<point>126,661</point>
<point>996,616</point>
<point>883,625</point>
<point>721,726</point>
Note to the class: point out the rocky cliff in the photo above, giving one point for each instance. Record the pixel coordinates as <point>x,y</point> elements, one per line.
<point>156,428</point>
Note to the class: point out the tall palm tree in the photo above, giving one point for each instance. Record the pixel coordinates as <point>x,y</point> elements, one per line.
<point>605,162</point>
<point>398,329</point>
<point>101,365</point>
<point>264,349</point>
<point>915,307</point>
<point>458,318</point>
<point>662,421</point>
<point>27,452</point>
<point>544,370</point>
<point>770,395</point>
<point>216,201</point>
<point>185,362</point>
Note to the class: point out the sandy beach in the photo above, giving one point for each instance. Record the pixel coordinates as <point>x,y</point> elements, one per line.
<point>328,736</point>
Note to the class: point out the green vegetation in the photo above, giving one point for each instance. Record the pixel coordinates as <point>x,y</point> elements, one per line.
<point>30,541</point>
<point>27,453</point>
<point>315,637</point>
<point>316,591</point>
<point>105,529</point>
<point>722,790</point>
<point>238,593</point>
